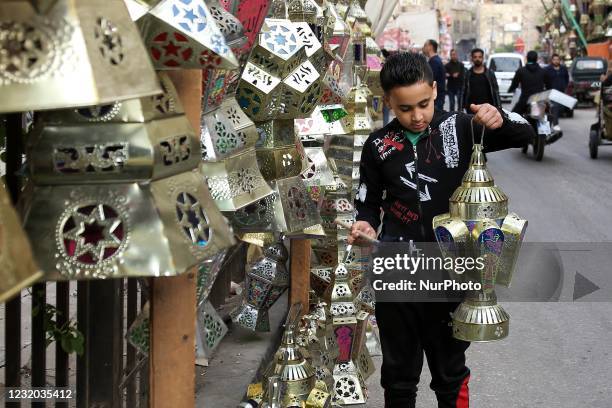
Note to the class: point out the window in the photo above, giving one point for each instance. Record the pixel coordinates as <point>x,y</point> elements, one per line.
<point>505,64</point>
<point>584,65</point>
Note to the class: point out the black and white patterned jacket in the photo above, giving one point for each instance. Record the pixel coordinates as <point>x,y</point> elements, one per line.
<point>420,179</point>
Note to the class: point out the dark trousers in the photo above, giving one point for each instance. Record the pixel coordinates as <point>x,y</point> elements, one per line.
<point>454,96</point>
<point>439,102</point>
<point>409,330</point>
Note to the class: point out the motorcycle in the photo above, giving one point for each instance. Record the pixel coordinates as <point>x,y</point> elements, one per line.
<point>539,117</point>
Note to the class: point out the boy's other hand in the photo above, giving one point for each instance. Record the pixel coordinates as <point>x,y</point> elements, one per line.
<point>487,115</point>
<point>365,228</point>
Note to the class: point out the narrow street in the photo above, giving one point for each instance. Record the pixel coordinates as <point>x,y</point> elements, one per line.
<point>557,354</point>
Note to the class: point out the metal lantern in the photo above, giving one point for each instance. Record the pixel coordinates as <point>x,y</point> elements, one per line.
<point>279,162</point>
<point>16,260</point>
<point>265,282</point>
<point>181,34</point>
<point>479,225</point>
<point>296,210</point>
<point>315,52</point>
<point>295,374</point>
<point>257,92</point>
<point>207,274</point>
<point>344,311</point>
<point>70,53</point>
<point>258,216</point>
<point>349,385</point>
<point>300,93</point>
<point>110,152</point>
<point>317,171</point>
<point>211,329</point>
<point>337,33</point>
<point>226,131</point>
<point>89,231</point>
<point>278,49</point>
<point>228,24</point>
<point>236,181</point>
<point>276,133</point>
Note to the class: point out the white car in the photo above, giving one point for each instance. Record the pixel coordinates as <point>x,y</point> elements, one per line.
<point>505,64</point>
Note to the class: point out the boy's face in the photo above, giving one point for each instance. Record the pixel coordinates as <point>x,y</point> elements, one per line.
<point>413,105</point>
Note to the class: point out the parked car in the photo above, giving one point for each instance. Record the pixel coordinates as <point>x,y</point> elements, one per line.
<point>585,78</point>
<point>505,65</point>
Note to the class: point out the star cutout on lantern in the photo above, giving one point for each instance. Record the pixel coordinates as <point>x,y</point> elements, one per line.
<point>93,234</point>
<point>190,15</point>
<point>171,49</point>
<point>280,39</point>
<point>192,219</point>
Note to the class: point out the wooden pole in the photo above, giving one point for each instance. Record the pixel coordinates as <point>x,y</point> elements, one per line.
<point>173,300</point>
<point>300,273</point>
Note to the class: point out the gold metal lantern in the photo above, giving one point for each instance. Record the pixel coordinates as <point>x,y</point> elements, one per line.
<point>181,34</point>
<point>70,53</point>
<point>236,181</point>
<point>16,260</point>
<point>300,93</point>
<point>295,373</point>
<point>278,49</point>
<point>349,385</point>
<point>103,231</point>
<point>265,282</point>
<point>226,131</point>
<point>296,210</point>
<point>479,225</point>
<point>258,92</point>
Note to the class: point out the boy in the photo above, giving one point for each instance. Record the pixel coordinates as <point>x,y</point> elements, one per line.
<point>431,150</point>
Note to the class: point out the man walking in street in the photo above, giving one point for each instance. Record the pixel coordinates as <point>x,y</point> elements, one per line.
<point>479,84</point>
<point>558,77</point>
<point>430,49</point>
<point>531,78</point>
<point>454,73</point>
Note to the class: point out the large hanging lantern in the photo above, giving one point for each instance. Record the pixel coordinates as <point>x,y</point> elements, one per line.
<point>16,260</point>
<point>479,225</point>
<point>181,34</point>
<point>115,192</point>
<point>265,282</point>
<point>70,53</point>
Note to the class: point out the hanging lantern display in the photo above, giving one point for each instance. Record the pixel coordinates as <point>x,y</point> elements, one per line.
<point>297,210</point>
<point>479,225</point>
<point>116,194</point>
<point>19,270</point>
<point>265,282</point>
<point>182,35</point>
<point>70,53</point>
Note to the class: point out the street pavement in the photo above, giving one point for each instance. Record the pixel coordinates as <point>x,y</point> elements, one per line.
<point>558,354</point>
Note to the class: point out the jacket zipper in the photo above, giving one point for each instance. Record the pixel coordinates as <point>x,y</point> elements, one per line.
<point>418,188</point>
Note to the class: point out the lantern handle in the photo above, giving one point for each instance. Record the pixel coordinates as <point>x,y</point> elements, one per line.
<point>481,134</point>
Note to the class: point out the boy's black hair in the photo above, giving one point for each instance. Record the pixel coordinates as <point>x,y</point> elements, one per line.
<point>555,55</point>
<point>404,69</point>
<point>434,44</point>
<point>475,50</point>
<point>532,56</point>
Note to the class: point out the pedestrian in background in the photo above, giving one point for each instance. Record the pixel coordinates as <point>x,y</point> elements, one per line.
<point>479,84</point>
<point>454,74</point>
<point>531,78</point>
<point>558,77</point>
<point>430,49</point>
